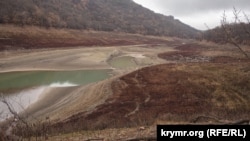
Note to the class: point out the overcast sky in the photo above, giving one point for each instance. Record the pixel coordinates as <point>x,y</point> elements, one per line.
<point>197,13</point>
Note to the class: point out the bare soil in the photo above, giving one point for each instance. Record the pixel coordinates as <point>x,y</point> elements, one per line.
<point>172,93</point>
<point>214,91</point>
<point>175,81</point>
<point>19,38</point>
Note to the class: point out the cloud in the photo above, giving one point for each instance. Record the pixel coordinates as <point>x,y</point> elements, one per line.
<point>184,7</point>
<point>197,12</point>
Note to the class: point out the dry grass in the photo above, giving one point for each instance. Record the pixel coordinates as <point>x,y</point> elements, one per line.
<point>115,134</point>
<point>192,93</point>
<point>174,93</point>
<point>31,37</point>
<point>11,31</point>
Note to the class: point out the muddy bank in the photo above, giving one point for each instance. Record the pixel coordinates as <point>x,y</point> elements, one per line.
<point>57,101</point>
<point>172,93</point>
<point>60,103</point>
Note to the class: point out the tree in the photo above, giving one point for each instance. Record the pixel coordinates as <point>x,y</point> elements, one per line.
<point>237,32</point>
<point>19,126</point>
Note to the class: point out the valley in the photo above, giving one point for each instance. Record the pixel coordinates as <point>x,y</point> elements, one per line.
<point>112,70</point>
<point>148,85</point>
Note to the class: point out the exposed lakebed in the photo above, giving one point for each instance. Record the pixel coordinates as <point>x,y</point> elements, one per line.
<point>38,91</point>
<point>123,62</point>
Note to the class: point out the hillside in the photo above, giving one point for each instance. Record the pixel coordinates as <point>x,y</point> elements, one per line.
<point>32,37</point>
<point>172,93</point>
<point>102,15</point>
<point>238,32</point>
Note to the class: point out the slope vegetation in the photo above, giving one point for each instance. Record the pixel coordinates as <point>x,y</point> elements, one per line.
<point>31,37</point>
<point>173,93</point>
<point>240,33</point>
<point>101,15</point>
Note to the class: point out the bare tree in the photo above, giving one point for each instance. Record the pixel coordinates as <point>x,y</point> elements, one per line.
<point>7,132</point>
<point>231,35</point>
<point>21,126</point>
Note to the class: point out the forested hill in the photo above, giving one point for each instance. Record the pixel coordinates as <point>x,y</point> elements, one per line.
<point>101,15</point>
<point>238,32</point>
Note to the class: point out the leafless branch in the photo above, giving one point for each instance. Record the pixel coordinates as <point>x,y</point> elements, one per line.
<point>236,15</point>
<point>228,31</point>
<point>237,19</point>
<point>246,18</point>
<point>247,27</point>
<point>13,112</point>
<point>208,28</point>
<point>28,129</point>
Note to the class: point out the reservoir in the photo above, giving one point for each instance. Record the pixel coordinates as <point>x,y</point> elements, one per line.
<point>21,89</point>
<point>19,80</point>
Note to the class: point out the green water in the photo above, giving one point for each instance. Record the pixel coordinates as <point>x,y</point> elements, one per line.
<point>123,62</point>
<point>18,80</point>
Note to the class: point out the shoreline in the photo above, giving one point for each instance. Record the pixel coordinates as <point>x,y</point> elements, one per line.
<point>54,69</point>
<point>73,59</point>
<point>76,58</point>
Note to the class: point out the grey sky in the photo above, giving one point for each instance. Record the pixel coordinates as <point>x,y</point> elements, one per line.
<point>197,12</point>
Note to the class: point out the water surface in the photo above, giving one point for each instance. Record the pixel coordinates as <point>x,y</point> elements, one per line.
<point>17,80</point>
<point>21,89</point>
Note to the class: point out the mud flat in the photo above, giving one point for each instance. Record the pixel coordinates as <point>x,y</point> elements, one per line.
<point>62,81</point>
